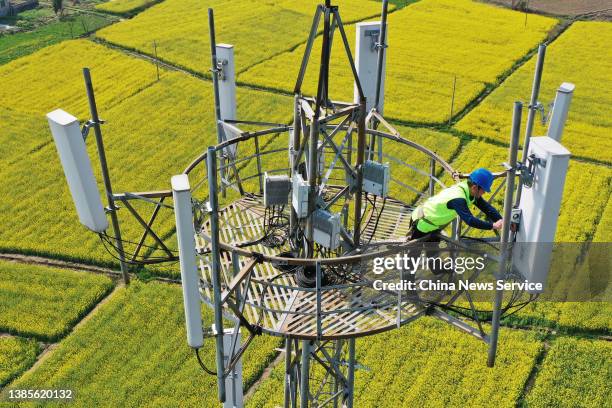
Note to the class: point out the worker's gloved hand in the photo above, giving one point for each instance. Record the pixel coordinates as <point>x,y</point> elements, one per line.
<point>497,225</point>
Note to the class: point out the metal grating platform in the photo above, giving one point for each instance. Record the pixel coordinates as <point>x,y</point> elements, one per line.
<point>276,303</point>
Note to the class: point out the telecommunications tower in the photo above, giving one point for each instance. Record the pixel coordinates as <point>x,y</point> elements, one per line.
<point>279,225</point>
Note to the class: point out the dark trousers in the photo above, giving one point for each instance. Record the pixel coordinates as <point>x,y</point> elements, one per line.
<point>429,246</point>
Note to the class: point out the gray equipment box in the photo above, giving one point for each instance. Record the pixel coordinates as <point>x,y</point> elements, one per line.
<point>376,178</point>
<point>300,196</point>
<point>276,190</point>
<point>326,228</point>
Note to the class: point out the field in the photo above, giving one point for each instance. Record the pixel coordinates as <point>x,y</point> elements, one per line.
<point>46,302</point>
<point>574,370</point>
<point>404,368</point>
<point>132,352</point>
<point>240,23</point>
<point>16,355</point>
<point>125,6</point>
<point>125,346</point>
<point>430,43</point>
<point>568,59</point>
<point>170,144</point>
<point>17,45</point>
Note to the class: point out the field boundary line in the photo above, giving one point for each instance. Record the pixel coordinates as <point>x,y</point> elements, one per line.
<point>75,266</point>
<point>535,370</point>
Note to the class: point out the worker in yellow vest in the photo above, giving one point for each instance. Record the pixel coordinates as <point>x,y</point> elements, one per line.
<point>440,210</point>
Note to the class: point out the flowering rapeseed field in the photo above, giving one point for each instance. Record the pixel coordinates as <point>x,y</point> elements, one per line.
<point>430,42</point>
<point>132,352</point>
<point>257,29</point>
<point>581,55</point>
<point>46,302</point>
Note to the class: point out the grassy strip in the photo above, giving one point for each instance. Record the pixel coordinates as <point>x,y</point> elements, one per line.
<point>133,352</point>
<point>46,303</point>
<point>13,46</point>
<point>16,355</point>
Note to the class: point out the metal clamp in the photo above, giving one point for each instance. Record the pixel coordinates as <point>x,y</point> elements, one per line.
<point>373,34</point>
<point>515,218</point>
<point>528,170</point>
<point>220,71</point>
<point>88,125</point>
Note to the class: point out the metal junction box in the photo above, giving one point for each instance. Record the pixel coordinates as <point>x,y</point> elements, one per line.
<point>326,228</point>
<point>276,190</point>
<point>376,178</point>
<point>539,207</point>
<point>299,196</point>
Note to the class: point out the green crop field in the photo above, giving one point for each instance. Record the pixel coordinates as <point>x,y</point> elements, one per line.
<point>46,302</point>
<point>430,42</point>
<point>16,355</point>
<point>133,352</point>
<point>578,56</point>
<point>429,363</point>
<point>17,45</point>
<point>575,373</point>
<point>180,29</point>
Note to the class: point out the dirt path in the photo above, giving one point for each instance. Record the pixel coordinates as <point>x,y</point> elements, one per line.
<point>587,9</point>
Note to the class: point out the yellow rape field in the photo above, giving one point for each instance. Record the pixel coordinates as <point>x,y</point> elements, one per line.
<point>581,55</point>
<point>430,42</point>
<point>257,29</point>
<point>52,77</point>
<point>152,134</point>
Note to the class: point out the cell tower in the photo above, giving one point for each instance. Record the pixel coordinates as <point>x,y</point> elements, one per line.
<point>281,240</point>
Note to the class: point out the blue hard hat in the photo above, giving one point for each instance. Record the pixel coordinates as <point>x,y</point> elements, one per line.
<point>483,178</point>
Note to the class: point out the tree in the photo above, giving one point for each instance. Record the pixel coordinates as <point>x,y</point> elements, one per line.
<point>57,6</point>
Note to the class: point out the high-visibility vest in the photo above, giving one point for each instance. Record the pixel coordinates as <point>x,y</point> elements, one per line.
<point>434,215</point>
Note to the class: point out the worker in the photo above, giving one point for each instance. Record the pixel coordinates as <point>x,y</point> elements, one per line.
<point>440,210</point>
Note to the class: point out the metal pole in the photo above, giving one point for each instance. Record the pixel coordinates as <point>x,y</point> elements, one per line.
<point>505,235</point>
<point>288,368</point>
<point>211,159</point>
<point>304,372</point>
<point>294,145</point>
<point>432,174</point>
<point>105,174</point>
<point>452,108</point>
<point>531,114</point>
<point>381,53</point>
<point>215,80</point>
<point>361,141</point>
<point>350,388</point>
<point>313,167</point>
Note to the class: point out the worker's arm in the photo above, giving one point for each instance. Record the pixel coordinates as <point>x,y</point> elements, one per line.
<point>460,206</point>
<point>491,213</point>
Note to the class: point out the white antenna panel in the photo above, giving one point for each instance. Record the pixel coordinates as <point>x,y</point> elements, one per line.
<point>77,169</point>
<point>540,205</point>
